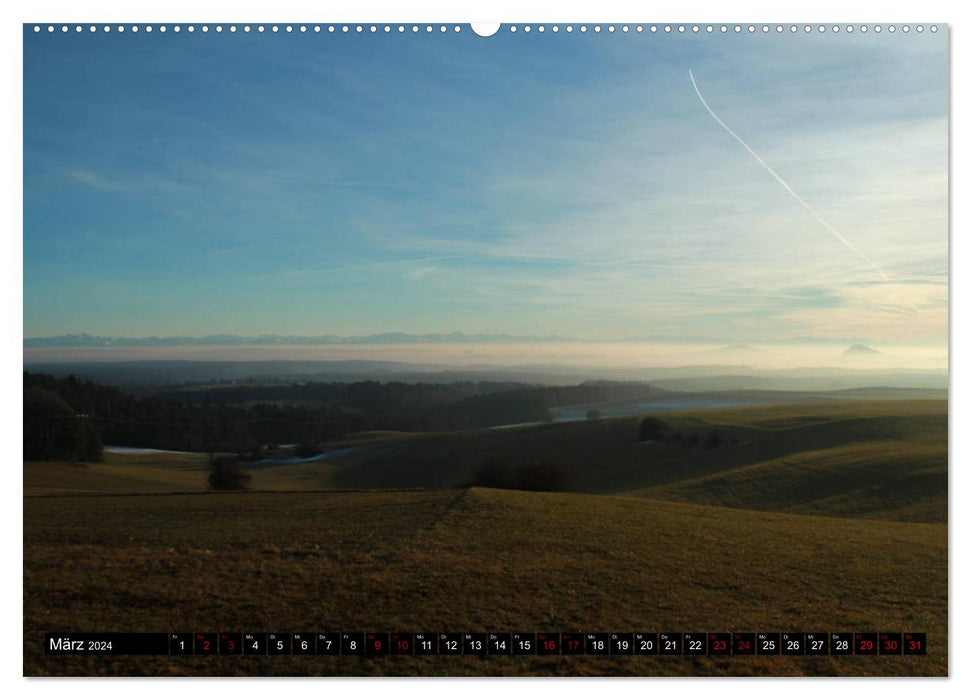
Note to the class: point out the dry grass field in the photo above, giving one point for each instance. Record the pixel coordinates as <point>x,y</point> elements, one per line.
<point>740,538</point>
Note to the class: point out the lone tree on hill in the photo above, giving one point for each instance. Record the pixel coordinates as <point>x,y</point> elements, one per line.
<point>225,474</point>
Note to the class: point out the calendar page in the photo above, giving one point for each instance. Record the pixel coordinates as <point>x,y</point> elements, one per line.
<point>513,349</point>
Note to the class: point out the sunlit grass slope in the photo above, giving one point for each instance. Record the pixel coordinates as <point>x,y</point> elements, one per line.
<point>119,473</point>
<point>887,479</point>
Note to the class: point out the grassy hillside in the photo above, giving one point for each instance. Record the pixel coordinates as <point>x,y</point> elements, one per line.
<point>887,479</point>
<point>163,472</point>
<point>118,473</point>
<point>471,560</point>
<point>873,459</point>
<point>857,458</point>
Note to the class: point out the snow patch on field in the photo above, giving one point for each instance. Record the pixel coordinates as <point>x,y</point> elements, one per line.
<point>117,449</point>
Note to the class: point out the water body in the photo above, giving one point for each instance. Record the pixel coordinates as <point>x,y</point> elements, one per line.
<point>268,462</point>
<point>564,414</point>
<point>118,449</point>
<point>567,414</point>
<point>278,461</point>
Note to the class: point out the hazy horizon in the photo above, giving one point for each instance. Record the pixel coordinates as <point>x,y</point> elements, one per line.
<point>564,354</point>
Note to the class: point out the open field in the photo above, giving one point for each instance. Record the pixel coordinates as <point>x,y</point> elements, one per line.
<point>119,473</point>
<point>471,560</point>
<point>376,537</point>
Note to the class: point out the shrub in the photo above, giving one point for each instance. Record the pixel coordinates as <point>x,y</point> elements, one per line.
<point>544,475</point>
<point>492,474</point>
<point>225,474</point>
<point>651,428</point>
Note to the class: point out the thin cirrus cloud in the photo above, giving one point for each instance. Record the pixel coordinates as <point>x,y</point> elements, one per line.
<point>94,180</point>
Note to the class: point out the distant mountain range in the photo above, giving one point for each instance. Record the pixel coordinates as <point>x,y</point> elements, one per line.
<point>85,340</point>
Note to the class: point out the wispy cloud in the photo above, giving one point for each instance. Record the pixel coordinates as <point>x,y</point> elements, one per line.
<point>578,188</point>
<point>90,179</point>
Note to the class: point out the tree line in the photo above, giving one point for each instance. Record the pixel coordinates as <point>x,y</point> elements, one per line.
<point>69,418</point>
<point>461,405</point>
<point>58,412</point>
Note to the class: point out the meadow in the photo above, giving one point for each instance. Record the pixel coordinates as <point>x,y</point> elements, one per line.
<point>817,517</point>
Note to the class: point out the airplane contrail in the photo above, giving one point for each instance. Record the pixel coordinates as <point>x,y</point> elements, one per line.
<point>782,182</point>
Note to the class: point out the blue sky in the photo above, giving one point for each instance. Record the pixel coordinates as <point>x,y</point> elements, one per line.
<point>526,184</point>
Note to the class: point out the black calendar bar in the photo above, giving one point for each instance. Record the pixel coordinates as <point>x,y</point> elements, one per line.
<point>381,644</point>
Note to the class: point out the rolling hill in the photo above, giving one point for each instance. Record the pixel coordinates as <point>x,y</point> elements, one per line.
<point>849,459</point>
<point>874,459</point>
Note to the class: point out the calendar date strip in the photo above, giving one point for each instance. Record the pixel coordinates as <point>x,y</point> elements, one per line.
<point>375,644</point>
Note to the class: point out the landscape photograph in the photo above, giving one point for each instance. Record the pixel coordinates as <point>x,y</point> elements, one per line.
<point>549,350</point>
